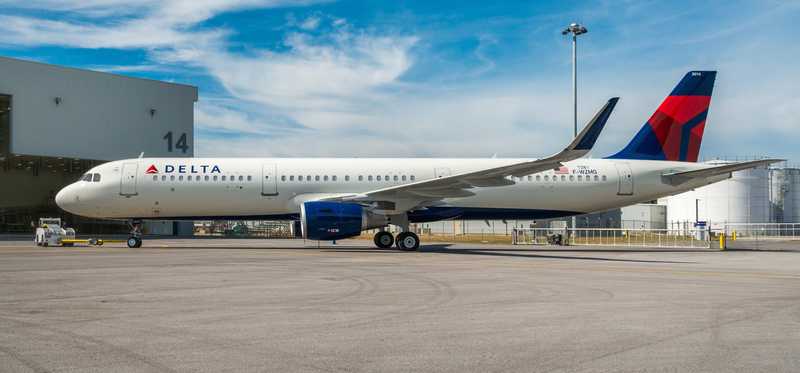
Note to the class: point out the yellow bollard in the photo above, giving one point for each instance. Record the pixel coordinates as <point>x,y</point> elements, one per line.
<point>722,242</point>
<point>733,238</point>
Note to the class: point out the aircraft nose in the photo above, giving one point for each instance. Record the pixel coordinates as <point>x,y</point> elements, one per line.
<point>64,199</point>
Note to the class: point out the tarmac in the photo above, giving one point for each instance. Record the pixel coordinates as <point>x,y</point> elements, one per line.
<point>215,305</point>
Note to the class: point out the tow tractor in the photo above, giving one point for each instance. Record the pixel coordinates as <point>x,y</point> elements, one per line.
<point>51,233</point>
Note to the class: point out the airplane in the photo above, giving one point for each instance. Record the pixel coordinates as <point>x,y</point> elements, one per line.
<point>336,198</point>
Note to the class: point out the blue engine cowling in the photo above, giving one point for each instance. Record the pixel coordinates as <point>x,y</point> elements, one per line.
<point>325,221</point>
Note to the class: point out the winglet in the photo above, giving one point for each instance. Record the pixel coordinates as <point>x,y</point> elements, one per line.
<point>586,139</point>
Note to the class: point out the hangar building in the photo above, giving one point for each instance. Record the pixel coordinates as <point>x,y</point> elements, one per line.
<point>57,122</point>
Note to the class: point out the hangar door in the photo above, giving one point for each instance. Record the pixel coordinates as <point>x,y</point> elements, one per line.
<point>269,180</point>
<point>127,186</point>
<point>625,179</point>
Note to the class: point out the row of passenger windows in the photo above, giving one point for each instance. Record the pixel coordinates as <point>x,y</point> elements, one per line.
<point>562,178</point>
<point>308,178</point>
<point>91,178</point>
<point>202,177</point>
<point>299,178</point>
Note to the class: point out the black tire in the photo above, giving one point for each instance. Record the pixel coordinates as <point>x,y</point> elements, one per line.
<point>383,240</point>
<point>408,241</point>
<point>134,242</point>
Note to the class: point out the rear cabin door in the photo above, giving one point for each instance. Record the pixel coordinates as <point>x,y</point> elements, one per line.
<point>127,186</point>
<point>625,179</point>
<point>269,180</point>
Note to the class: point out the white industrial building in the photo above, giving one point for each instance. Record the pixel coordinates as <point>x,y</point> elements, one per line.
<point>57,122</point>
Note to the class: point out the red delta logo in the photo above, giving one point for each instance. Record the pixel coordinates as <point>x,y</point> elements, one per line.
<point>152,169</point>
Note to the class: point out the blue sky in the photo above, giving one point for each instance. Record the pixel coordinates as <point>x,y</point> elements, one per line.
<point>431,78</point>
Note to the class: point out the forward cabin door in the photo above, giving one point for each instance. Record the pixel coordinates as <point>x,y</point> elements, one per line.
<point>127,185</point>
<point>625,179</point>
<point>269,180</point>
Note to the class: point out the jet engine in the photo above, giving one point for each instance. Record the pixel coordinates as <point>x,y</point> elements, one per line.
<point>326,221</point>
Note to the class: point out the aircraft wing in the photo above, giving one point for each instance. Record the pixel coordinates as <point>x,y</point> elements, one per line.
<point>678,178</point>
<point>458,185</point>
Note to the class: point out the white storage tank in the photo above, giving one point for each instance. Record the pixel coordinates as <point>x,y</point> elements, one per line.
<point>744,198</point>
<point>777,191</point>
<point>791,196</point>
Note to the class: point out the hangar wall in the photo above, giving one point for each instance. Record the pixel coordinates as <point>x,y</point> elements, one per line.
<point>65,112</point>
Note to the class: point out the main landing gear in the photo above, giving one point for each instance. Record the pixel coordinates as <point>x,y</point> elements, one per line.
<point>406,241</point>
<point>135,240</point>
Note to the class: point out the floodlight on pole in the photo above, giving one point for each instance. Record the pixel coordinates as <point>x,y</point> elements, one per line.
<point>575,29</point>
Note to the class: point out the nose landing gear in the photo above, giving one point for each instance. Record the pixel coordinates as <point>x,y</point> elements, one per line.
<point>135,240</point>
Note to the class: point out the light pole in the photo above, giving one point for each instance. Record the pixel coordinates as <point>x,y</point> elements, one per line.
<point>575,29</point>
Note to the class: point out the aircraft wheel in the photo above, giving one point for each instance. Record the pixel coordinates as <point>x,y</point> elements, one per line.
<point>134,242</point>
<point>383,239</point>
<point>408,241</point>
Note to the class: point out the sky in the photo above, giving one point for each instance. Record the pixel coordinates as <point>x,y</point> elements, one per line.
<point>292,78</point>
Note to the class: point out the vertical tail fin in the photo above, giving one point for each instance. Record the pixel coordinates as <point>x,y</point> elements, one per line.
<point>674,132</point>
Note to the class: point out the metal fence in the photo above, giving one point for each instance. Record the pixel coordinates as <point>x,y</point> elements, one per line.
<point>762,231</point>
<point>660,238</point>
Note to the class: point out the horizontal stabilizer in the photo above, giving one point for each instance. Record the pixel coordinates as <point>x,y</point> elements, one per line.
<point>682,177</point>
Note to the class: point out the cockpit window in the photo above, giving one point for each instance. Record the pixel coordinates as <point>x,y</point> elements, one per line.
<point>96,178</point>
<point>86,177</point>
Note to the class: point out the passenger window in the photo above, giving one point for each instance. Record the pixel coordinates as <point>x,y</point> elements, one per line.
<point>291,177</point>
<point>333,177</point>
<point>223,178</point>
<point>171,177</point>
<point>215,177</point>
<point>241,178</point>
<point>538,177</point>
<point>563,178</point>
<point>360,178</point>
<point>283,178</point>
<point>403,178</point>
<point>300,178</point>
<point>604,177</point>
<point>316,177</point>
<point>206,178</point>
<point>571,178</point>
<point>396,178</point>
<point>249,178</point>
<point>378,178</point>
<point>163,177</point>
<point>412,177</point>
<point>387,178</point>
<point>155,177</point>
<point>325,178</point>
<point>180,178</point>
<point>580,178</point>
<point>369,178</point>
<point>546,177</point>
<point>346,177</point>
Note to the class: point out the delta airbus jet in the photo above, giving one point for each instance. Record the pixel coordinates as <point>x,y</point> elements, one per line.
<point>336,198</point>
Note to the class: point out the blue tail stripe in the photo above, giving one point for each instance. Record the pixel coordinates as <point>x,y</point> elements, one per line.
<point>643,146</point>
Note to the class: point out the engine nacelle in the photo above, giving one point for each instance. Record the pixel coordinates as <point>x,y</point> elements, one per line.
<point>326,221</point>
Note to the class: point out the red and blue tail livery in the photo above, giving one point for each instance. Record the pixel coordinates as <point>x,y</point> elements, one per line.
<point>675,130</point>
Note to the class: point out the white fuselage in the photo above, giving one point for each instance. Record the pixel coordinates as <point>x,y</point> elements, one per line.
<point>197,188</point>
